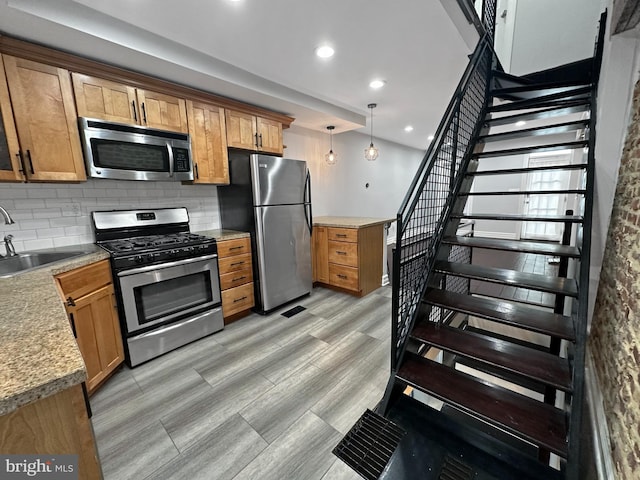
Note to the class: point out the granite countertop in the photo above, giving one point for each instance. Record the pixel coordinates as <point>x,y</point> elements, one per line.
<point>221,235</point>
<point>39,355</point>
<point>350,222</point>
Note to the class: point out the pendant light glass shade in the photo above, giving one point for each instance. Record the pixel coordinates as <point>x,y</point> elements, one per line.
<point>371,152</point>
<point>331,158</point>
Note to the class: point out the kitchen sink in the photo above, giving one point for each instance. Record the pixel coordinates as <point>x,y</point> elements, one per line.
<point>28,261</point>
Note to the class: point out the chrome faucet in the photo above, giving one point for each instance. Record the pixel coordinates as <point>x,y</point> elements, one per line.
<point>7,218</point>
<point>11,251</point>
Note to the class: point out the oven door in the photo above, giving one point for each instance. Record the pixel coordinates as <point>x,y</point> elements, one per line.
<point>159,294</point>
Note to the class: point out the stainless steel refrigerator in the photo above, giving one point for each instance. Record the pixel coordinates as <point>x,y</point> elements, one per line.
<point>271,198</point>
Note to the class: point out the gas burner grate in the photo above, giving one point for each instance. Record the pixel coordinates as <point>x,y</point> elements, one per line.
<point>455,469</point>
<point>369,445</point>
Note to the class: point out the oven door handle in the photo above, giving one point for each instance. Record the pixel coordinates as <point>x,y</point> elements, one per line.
<point>177,263</point>
<point>171,162</point>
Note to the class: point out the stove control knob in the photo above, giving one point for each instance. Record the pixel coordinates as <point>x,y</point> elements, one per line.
<point>138,259</point>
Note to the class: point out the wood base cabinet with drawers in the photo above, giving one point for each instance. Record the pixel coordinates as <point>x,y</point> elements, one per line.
<point>348,258</point>
<point>90,303</point>
<point>236,277</point>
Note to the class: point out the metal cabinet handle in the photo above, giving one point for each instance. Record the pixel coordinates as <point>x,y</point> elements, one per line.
<point>240,299</point>
<point>342,276</point>
<point>195,166</point>
<point>144,113</point>
<point>256,140</point>
<point>71,302</point>
<point>236,248</point>
<point>23,170</point>
<point>237,279</point>
<point>260,145</point>
<point>73,325</point>
<point>135,113</point>
<point>30,162</point>
<point>341,235</point>
<point>341,253</point>
<point>237,263</point>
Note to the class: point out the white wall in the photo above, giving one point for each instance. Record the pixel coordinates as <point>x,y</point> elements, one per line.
<point>549,33</point>
<point>52,215</point>
<point>340,189</point>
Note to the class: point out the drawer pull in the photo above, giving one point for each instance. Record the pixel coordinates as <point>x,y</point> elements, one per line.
<point>341,235</point>
<point>240,299</point>
<point>70,302</point>
<point>237,263</point>
<point>237,279</point>
<point>342,276</point>
<point>340,253</point>
<point>239,247</point>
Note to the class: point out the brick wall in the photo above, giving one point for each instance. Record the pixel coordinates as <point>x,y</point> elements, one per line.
<point>615,333</point>
<point>52,215</point>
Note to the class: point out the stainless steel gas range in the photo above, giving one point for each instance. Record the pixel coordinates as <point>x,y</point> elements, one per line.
<point>166,279</point>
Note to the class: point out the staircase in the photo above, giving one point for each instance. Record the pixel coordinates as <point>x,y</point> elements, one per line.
<point>487,385</point>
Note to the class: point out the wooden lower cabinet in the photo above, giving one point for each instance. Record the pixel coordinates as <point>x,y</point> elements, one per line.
<point>236,276</point>
<point>90,303</point>
<point>348,258</point>
<point>55,425</point>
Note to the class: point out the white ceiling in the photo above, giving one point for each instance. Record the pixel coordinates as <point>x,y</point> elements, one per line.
<point>262,52</point>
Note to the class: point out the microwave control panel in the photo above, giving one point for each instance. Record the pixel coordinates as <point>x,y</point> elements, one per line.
<point>181,161</point>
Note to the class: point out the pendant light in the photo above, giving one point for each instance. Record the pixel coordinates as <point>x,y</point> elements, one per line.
<point>331,158</point>
<point>371,152</point>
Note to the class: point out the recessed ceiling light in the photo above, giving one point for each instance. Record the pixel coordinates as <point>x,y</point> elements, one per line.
<point>408,128</point>
<point>377,84</point>
<point>520,123</point>
<point>430,137</point>
<point>325,51</point>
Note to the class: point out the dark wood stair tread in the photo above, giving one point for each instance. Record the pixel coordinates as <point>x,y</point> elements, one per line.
<point>521,218</point>
<point>508,171</point>
<point>576,191</point>
<point>537,422</point>
<point>532,281</point>
<point>534,364</point>
<point>534,148</point>
<point>541,248</point>
<point>551,100</point>
<point>536,89</point>
<point>535,131</point>
<point>567,108</point>
<point>506,312</point>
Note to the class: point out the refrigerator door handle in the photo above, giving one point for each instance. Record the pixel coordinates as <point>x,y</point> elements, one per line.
<point>307,200</point>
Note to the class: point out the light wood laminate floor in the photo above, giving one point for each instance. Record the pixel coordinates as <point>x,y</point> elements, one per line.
<point>266,398</point>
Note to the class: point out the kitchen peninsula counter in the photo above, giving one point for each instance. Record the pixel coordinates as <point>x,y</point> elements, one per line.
<point>222,234</point>
<point>348,253</point>
<point>39,355</point>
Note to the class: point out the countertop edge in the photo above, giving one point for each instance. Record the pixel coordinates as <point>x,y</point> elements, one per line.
<point>349,222</point>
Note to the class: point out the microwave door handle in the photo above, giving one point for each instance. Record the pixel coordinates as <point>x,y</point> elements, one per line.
<point>170,150</point>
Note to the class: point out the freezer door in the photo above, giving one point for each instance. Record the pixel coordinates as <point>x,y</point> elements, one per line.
<point>278,181</point>
<point>283,244</point>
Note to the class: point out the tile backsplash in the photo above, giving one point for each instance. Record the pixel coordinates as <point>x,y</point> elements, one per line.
<point>53,215</point>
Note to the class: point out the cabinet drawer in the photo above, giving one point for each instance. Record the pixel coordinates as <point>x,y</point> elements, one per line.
<point>343,253</point>
<point>234,263</point>
<point>237,299</point>
<point>234,247</point>
<point>345,277</point>
<point>343,234</point>
<point>234,279</point>
<point>81,281</point>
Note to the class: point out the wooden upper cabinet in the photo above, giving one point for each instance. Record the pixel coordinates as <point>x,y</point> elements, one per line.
<point>46,120</point>
<point>117,102</point>
<point>253,133</point>
<point>207,128</point>
<point>10,168</point>
<point>104,99</point>
<point>269,135</point>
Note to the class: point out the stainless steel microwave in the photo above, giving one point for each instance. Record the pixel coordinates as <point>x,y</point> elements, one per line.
<point>128,152</point>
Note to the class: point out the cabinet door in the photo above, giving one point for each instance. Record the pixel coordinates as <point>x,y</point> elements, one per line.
<point>10,167</point>
<point>46,120</point>
<point>241,130</point>
<point>162,111</point>
<point>104,99</point>
<point>269,135</point>
<point>98,333</point>
<point>208,143</point>
<point>320,255</point>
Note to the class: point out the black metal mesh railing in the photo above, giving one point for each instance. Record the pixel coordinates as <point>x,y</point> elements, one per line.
<point>489,17</point>
<point>425,211</point>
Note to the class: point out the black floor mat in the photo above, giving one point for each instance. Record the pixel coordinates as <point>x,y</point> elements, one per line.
<point>291,312</point>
